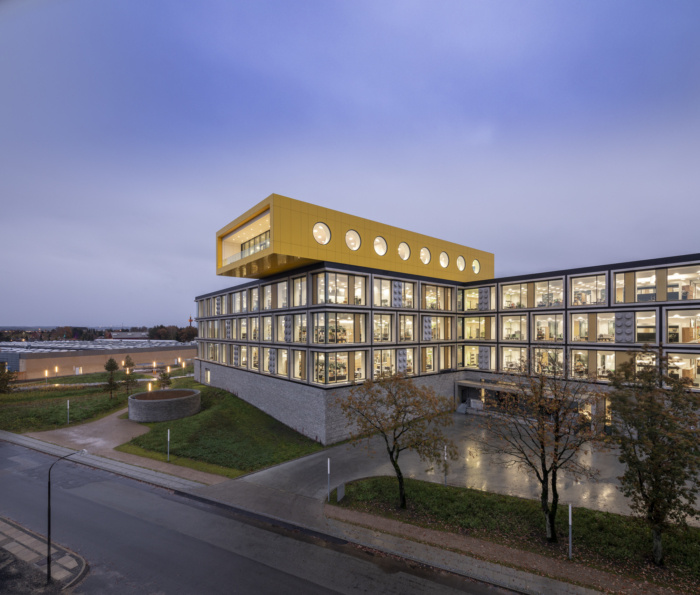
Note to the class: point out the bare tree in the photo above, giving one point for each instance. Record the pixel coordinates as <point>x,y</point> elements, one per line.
<point>541,423</point>
<point>406,416</point>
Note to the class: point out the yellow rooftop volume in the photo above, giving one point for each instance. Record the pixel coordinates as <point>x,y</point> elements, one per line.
<point>280,234</point>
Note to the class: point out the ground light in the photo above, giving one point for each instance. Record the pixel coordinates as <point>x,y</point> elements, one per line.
<point>48,540</point>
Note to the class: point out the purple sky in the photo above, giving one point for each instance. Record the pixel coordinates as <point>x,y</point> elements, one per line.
<point>554,134</point>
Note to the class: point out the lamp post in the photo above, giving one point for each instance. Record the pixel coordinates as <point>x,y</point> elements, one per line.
<point>48,540</point>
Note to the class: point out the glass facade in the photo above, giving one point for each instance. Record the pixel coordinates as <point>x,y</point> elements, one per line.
<point>514,328</point>
<point>587,291</point>
<point>476,327</point>
<point>282,294</point>
<point>685,366</point>
<point>468,356</point>
<point>683,283</point>
<point>384,362</point>
<point>682,326</point>
<point>435,297</point>
<point>382,328</point>
<point>549,361</point>
<point>549,294</point>
<point>406,327</point>
<point>339,327</point>
<point>514,296</point>
<point>514,359</point>
<point>381,294</point>
<point>299,292</point>
<point>548,327</point>
<point>337,288</point>
<point>645,327</point>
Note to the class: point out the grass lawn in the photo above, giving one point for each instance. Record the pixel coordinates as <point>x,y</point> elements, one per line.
<point>611,542</point>
<point>45,408</point>
<point>228,433</point>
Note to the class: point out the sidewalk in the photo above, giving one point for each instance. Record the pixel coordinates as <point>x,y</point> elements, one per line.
<point>67,568</point>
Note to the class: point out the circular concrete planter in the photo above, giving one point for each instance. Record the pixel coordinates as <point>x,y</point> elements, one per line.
<point>164,405</point>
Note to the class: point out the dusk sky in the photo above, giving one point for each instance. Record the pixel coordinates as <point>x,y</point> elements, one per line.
<point>555,134</point>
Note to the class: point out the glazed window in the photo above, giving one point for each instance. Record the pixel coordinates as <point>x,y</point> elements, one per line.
<point>441,328</point>
<point>243,322</point>
<point>335,288</point>
<point>445,360</point>
<point>645,327</point>
<point>514,359</point>
<point>300,291</point>
<point>587,291</point>
<point>428,363</point>
<point>467,356</point>
<point>549,362</point>
<point>579,327</point>
<point>267,328</point>
<point>382,328</point>
<point>549,327</point>
<point>645,284</point>
<point>475,328</point>
<point>436,297</point>
<point>683,283</point>
<point>404,251</point>
<point>444,260</point>
<point>461,263</point>
<point>407,291</point>
<point>243,359</point>
<point>254,329</point>
<point>683,326</point>
<point>424,255</point>
<point>380,246</point>
<point>282,294</point>
<point>514,296</point>
<point>254,358</point>
<point>282,362</point>
<point>267,297</point>
<point>406,328</point>
<point>514,328</point>
<point>580,362</point>
<point>685,366</point>
<point>352,240</point>
<point>338,327</point>
<point>619,288</point>
<point>237,303</point>
<point>382,293</point>
<point>299,369</point>
<point>300,328</point>
<point>254,299</point>
<point>281,327</point>
<point>476,266</point>
<point>322,234</point>
<point>549,294</point>
<point>384,362</point>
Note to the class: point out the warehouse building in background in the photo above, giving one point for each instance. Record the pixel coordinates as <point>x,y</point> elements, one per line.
<point>338,299</point>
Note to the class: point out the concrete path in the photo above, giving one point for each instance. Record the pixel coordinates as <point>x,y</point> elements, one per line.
<point>102,436</point>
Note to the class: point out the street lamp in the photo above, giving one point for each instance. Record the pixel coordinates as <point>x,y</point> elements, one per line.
<point>48,541</point>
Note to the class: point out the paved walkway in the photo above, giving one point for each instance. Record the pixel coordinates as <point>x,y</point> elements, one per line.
<point>101,437</point>
<point>66,567</point>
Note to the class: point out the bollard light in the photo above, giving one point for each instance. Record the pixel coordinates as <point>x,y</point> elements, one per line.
<point>168,369</point>
<point>46,375</point>
<point>56,370</point>
<point>149,387</point>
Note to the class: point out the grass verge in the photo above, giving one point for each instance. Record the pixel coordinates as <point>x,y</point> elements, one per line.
<point>610,542</point>
<point>228,433</point>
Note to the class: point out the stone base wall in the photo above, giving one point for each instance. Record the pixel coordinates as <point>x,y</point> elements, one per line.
<point>312,411</point>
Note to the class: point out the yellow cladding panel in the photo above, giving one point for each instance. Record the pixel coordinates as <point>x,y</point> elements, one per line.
<point>292,242</point>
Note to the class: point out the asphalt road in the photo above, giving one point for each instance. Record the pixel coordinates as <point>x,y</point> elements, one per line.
<point>141,539</point>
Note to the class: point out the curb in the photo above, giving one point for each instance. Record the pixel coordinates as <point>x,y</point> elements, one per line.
<point>30,547</point>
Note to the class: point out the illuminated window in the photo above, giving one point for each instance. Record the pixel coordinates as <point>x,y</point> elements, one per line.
<point>424,255</point>
<point>404,251</point>
<point>444,260</point>
<point>461,263</point>
<point>380,246</point>
<point>352,240</point>
<point>321,233</point>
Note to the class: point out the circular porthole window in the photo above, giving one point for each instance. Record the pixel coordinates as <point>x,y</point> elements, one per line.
<point>444,260</point>
<point>352,240</point>
<point>476,267</point>
<point>424,255</point>
<point>461,263</point>
<point>322,234</point>
<point>404,251</point>
<point>380,246</point>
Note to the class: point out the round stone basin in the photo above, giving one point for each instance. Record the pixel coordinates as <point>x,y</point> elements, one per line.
<point>164,405</point>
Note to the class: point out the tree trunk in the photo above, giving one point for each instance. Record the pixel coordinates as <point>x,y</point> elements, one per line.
<point>657,547</point>
<point>544,500</point>
<point>399,476</point>
<point>552,517</point>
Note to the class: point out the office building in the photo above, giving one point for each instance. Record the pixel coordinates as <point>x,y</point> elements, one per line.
<point>338,299</point>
